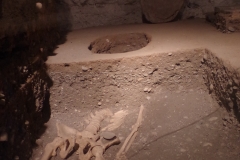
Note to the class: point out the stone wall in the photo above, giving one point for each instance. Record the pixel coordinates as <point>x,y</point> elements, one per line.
<point>199,8</point>
<point>92,13</point>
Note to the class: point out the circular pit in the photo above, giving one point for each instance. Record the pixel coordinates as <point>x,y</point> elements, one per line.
<point>119,43</point>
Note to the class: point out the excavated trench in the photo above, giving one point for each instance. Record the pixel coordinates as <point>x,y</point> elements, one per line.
<point>190,98</point>
<point>191,104</point>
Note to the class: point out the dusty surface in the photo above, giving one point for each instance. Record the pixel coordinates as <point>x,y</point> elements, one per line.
<point>119,43</point>
<point>169,37</point>
<point>180,115</point>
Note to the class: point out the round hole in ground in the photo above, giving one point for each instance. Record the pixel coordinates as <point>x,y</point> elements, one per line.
<point>119,43</point>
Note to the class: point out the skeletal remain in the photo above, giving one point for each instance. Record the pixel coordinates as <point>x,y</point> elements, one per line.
<point>89,140</point>
<point>65,145</point>
<point>116,120</point>
<point>129,140</point>
<point>65,131</point>
<point>94,125</point>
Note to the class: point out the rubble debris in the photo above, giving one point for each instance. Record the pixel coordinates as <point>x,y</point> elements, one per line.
<point>227,18</point>
<point>147,89</point>
<point>84,68</point>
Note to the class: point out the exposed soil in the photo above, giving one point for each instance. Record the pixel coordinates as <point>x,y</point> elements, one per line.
<point>184,116</point>
<point>120,43</point>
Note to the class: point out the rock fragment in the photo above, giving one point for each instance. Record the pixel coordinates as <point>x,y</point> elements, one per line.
<point>213,119</point>
<point>146,89</point>
<point>39,5</point>
<point>211,87</point>
<point>39,142</point>
<point>2,95</point>
<point>207,145</point>
<point>231,29</point>
<point>3,137</point>
<point>84,68</point>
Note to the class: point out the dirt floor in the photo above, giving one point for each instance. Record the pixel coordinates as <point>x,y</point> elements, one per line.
<point>182,117</point>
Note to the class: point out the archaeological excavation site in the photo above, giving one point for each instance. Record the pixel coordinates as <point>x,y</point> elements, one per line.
<point>119,80</point>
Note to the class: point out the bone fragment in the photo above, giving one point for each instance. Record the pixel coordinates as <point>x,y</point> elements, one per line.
<point>127,143</point>
<point>89,140</point>
<point>116,120</point>
<point>83,145</point>
<point>65,145</point>
<point>97,152</point>
<point>111,143</point>
<point>65,131</point>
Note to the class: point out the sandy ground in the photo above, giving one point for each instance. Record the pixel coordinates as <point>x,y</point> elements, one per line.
<point>168,37</point>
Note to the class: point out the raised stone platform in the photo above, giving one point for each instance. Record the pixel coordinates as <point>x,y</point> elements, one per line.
<point>165,38</point>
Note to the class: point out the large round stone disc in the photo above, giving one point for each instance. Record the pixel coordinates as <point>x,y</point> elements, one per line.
<point>159,11</point>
